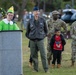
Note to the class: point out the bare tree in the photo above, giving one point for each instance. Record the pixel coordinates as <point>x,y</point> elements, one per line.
<point>20,5</point>
<point>38,3</point>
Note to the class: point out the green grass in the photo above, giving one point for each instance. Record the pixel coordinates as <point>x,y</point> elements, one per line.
<point>66,61</point>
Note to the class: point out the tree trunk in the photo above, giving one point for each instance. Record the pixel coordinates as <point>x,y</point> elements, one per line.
<point>20,13</point>
<point>38,3</point>
<point>44,6</point>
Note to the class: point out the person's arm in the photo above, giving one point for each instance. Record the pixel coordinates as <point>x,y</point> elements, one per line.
<point>28,30</point>
<point>1,25</point>
<point>16,27</point>
<point>63,42</point>
<point>72,32</point>
<point>51,43</point>
<point>45,27</point>
<point>64,26</point>
<point>49,26</point>
<point>63,39</point>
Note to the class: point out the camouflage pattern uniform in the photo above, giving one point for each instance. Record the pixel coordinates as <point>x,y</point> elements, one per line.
<point>52,24</point>
<point>73,44</point>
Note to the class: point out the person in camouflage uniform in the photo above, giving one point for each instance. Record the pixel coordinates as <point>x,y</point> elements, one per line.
<point>54,23</point>
<point>73,44</point>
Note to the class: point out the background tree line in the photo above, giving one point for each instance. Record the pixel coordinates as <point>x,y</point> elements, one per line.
<point>46,5</point>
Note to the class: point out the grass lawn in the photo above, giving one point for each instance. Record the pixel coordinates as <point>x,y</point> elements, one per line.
<point>66,61</point>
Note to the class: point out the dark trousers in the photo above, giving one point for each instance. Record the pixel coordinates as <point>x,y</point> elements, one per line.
<point>34,47</point>
<point>30,60</point>
<point>56,56</point>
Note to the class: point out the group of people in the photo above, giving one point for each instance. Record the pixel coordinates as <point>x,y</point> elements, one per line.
<point>38,29</point>
<point>27,16</point>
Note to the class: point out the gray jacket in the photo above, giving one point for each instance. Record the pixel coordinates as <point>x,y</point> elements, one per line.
<point>36,31</point>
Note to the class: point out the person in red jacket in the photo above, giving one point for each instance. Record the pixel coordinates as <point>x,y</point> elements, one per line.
<point>57,43</point>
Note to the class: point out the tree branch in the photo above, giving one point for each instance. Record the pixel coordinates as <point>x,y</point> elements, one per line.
<point>17,5</point>
<point>23,4</point>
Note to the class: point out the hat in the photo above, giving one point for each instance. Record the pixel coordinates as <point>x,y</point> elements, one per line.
<point>55,12</point>
<point>35,8</point>
<point>11,9</point>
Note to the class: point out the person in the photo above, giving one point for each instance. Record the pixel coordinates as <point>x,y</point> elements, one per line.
<point>25,19</point>
<point>57,43</point>
<point>7,23</point>
<point>73,44</point>
<point>53,23</point>
<point>36,32</point>
<point>30,15</point>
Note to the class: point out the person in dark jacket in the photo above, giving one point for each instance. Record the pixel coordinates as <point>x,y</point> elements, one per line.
<point>57,43</point>
<point>36,32</point>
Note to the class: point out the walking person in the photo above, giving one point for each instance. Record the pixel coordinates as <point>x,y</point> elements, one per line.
<point>57,45</point>
<point>36,32</point>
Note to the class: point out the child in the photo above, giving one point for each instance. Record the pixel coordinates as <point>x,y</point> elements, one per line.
<point>57,44</point>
